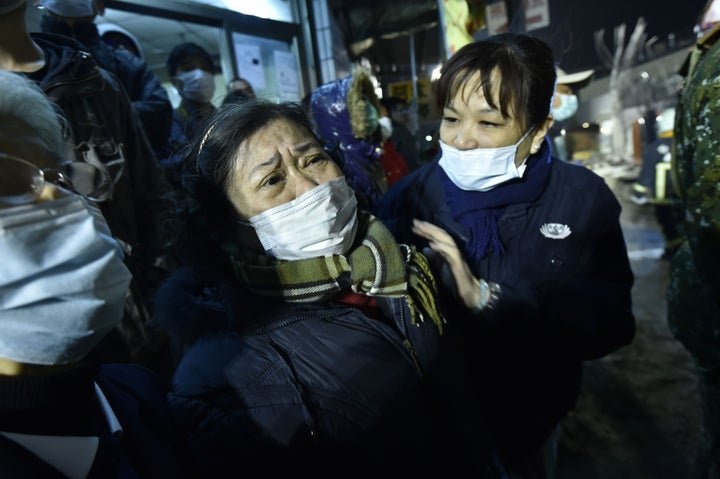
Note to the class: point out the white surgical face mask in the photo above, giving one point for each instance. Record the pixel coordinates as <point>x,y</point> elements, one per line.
<point>567,108</point>
<point>320,222</point>
<point>62,281</point>
<point>481,169</point>
<point>386,127</point>
<point>197,85</point>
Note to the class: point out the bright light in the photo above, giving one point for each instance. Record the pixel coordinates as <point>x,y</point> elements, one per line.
<point>272,9</point>
<point>435,75</point>
<point>428,138</point>
<point>605,129</point>
<point>645,75</point>
<point>641,121</point>
<point>586,125</point>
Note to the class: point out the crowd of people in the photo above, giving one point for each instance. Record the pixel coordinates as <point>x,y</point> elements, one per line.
<point>260,287</point>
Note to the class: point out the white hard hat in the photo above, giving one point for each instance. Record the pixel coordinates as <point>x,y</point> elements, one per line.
<point>575,80</point>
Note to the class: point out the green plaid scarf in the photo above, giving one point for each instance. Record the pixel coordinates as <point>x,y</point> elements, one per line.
<point>378,266</point>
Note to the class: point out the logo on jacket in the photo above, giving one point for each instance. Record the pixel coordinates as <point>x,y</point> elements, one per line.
<point>555,231</point>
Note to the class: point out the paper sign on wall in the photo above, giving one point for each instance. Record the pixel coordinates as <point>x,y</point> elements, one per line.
<point>287,75</point>
<point>249,64</point>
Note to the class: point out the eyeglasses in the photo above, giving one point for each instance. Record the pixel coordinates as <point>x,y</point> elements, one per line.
<point>21,182</point>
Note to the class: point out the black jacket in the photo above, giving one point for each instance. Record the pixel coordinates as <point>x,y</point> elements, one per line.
<point>102,120</point>
<point>564,299</point>
<point>65,403</point>
<point>267,387</point>
<point>148,96</point>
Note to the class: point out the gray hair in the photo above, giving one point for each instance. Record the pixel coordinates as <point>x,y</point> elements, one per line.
<point>22,99</point>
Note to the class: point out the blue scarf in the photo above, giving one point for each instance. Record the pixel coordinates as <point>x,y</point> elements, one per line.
<point>478,211</point>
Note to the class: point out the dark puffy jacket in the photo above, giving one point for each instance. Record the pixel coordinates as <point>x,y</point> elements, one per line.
<point>100,113</point>
<point>66,403</point>
<point>314,388</point>
<point>564,300</point>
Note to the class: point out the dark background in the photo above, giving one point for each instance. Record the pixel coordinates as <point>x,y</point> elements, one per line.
<point>571,32</point>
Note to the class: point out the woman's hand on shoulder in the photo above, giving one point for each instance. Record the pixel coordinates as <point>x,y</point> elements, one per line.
<point>467,285</point>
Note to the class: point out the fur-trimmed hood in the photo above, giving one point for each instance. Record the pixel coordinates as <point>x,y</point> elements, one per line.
<point>343,115</point>
<point>340,108</point>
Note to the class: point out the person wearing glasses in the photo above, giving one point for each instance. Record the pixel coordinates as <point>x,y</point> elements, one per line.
<point>107,134</point>
<point>63,285</point>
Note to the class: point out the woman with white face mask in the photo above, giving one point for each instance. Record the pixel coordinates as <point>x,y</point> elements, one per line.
<point>534,243</point>
<point>309,337</point>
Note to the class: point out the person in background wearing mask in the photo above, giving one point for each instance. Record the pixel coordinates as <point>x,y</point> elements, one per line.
<point>312,342</point>
<point>62,289</point>
<point>537,239</point>
<point>120,39</point>
<point>76,19</point>
<point>192,73</point>
<point>564,106</point>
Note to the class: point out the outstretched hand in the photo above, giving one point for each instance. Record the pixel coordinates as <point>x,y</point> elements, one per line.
<point>467,285</point>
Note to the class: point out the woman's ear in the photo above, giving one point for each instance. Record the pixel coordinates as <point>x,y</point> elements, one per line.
<point>540,134</point>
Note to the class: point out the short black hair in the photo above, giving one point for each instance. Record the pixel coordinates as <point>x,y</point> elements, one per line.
<point>526,69</point>
<point>183,51</point>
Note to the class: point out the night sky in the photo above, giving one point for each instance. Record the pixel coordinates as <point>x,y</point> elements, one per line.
<point>573,23</point>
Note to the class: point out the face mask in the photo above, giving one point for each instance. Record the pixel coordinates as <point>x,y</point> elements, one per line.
<point>567,108</point>
<point>481,169</point>
<point>198,86</point>
<point>386,127</point>
<point>62,281</point>
<point>371,119</point>
<point>321,222</point>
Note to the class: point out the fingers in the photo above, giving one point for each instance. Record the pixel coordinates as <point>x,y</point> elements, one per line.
<point>444,244</point>
<point>432,233</point>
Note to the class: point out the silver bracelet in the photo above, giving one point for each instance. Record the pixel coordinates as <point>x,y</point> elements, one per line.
<point>489,296</point>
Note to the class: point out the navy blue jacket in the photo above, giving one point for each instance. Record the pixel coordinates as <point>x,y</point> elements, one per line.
<point>564,300</point>
<point>266,387</point>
